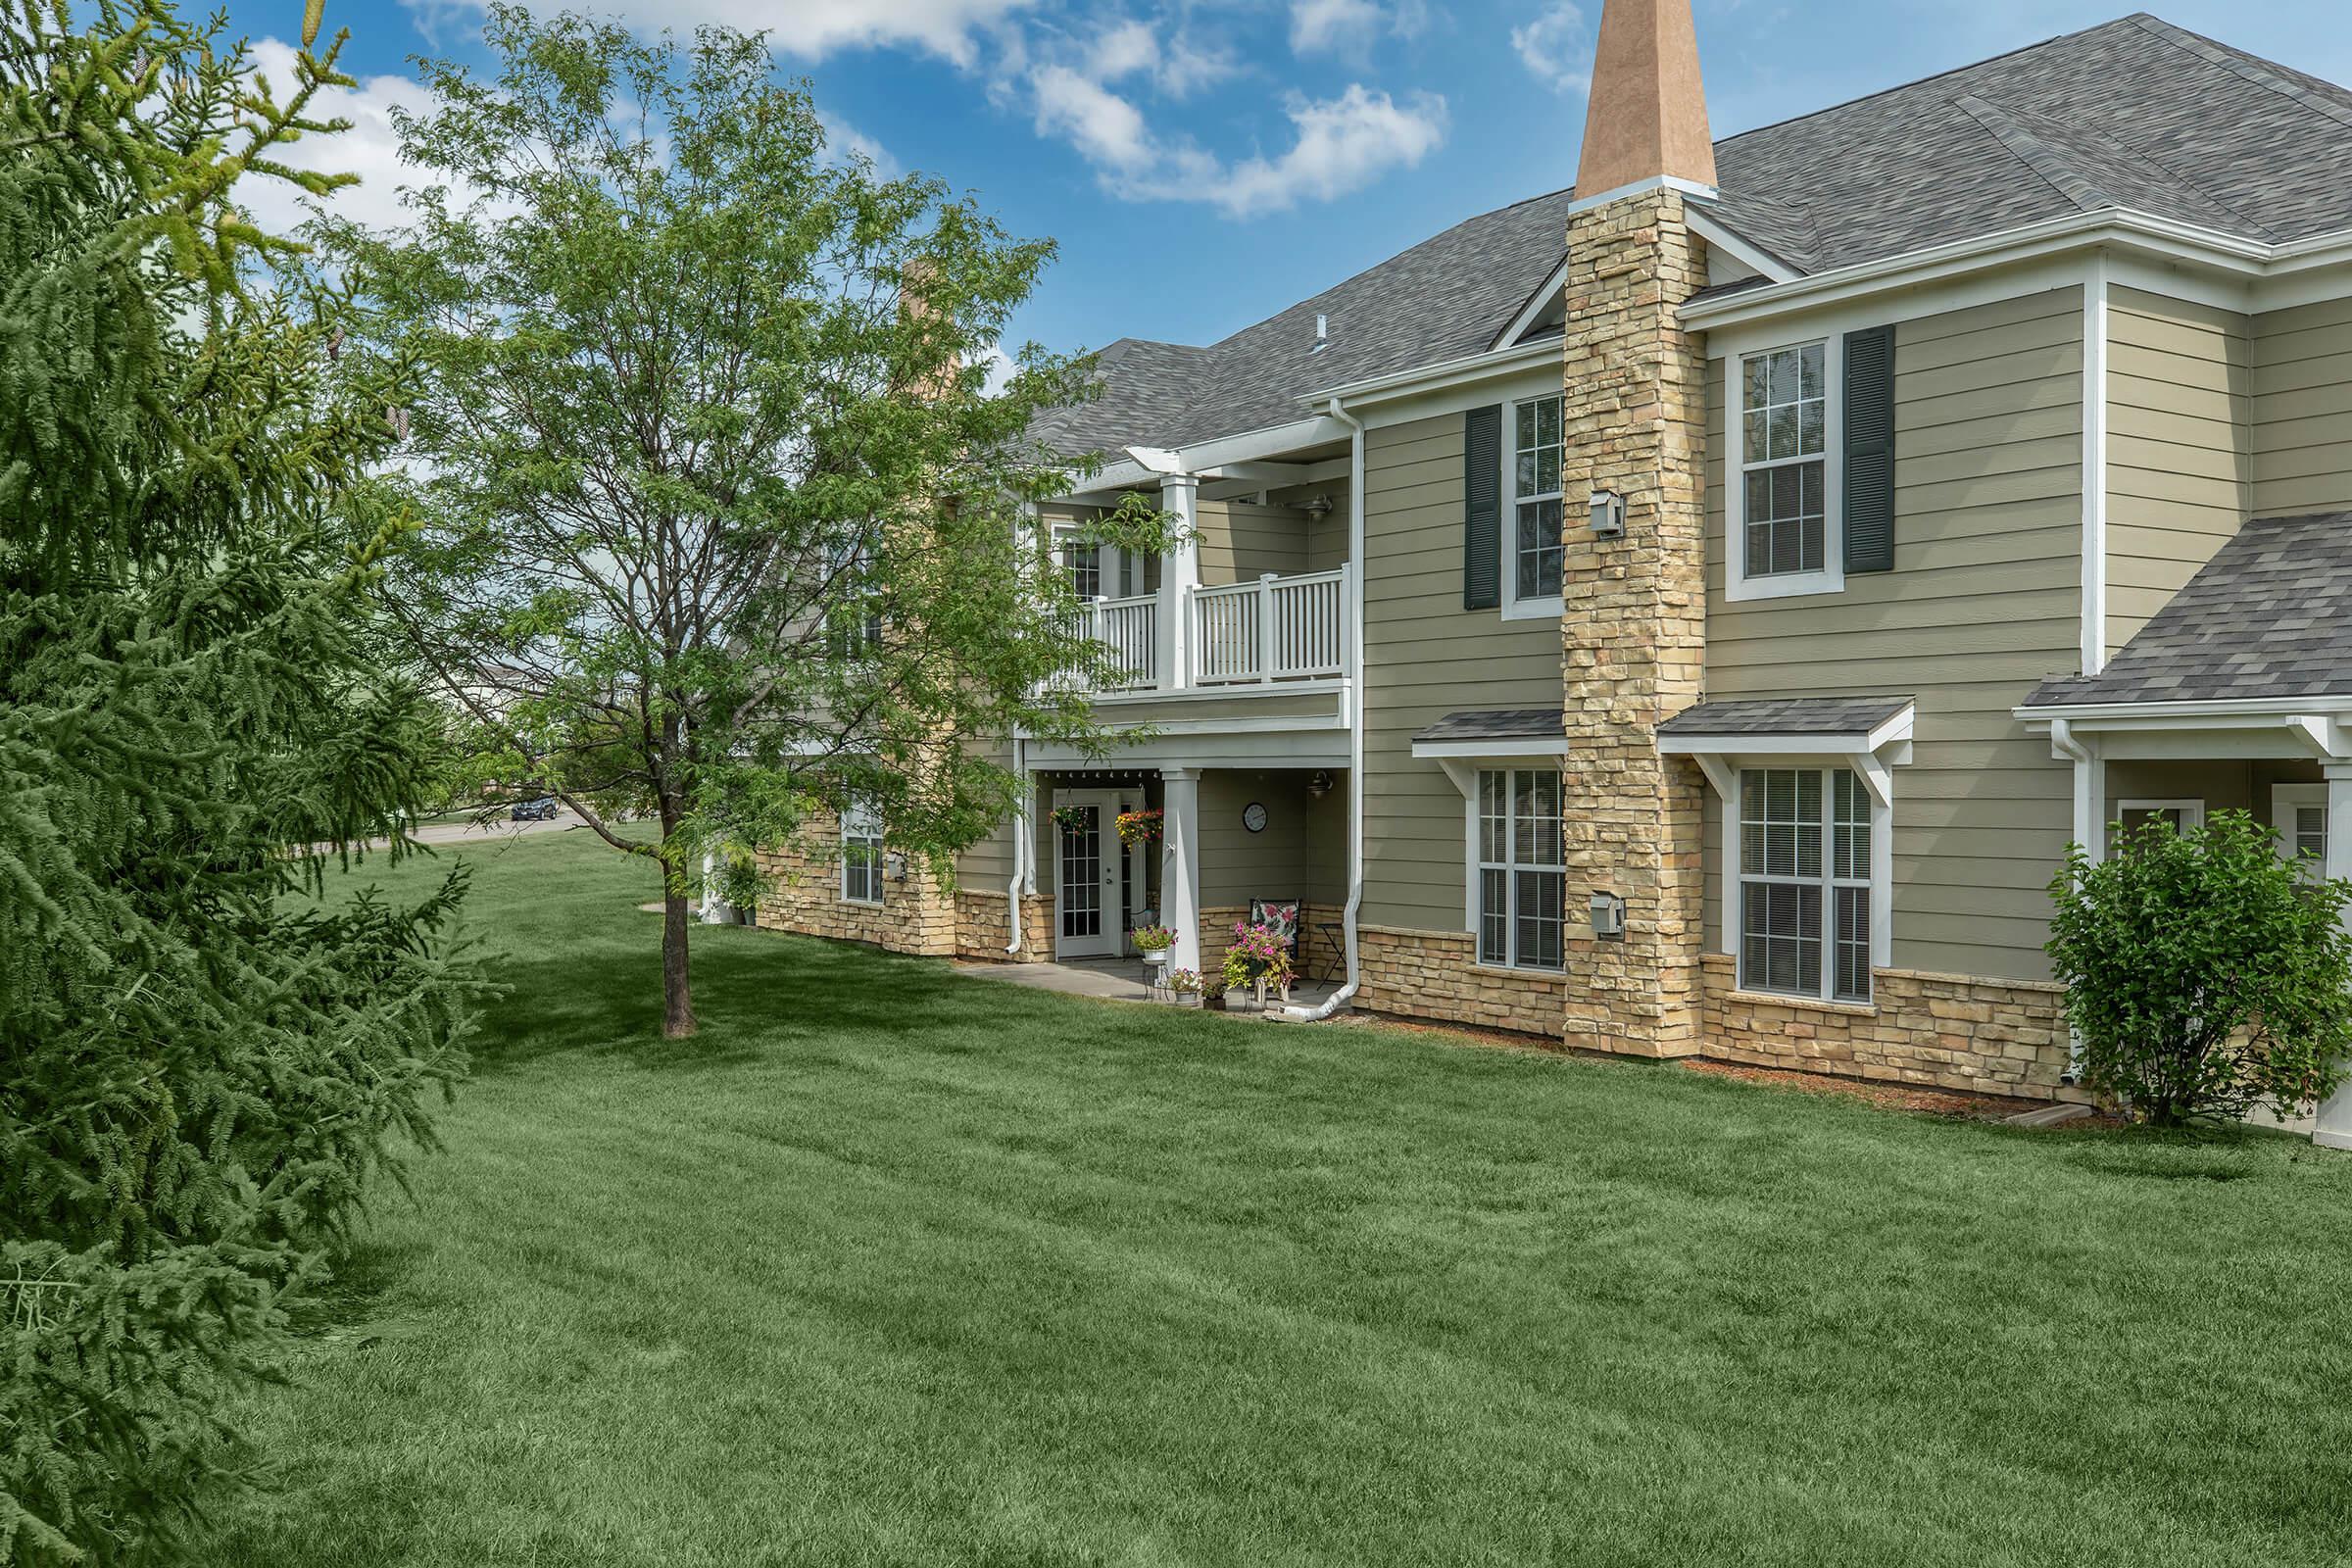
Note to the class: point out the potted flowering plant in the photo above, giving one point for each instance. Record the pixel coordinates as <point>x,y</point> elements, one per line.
<point>1258,958</point>
<point>1153,943</point>
<point>1138,827</point>
<point>1185,985</point>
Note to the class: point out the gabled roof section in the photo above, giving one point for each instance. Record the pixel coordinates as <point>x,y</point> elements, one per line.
<point>2134,114</point>
<point>2269,616</point>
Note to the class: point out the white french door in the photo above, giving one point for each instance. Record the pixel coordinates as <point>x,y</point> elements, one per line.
<point>1087,903</point>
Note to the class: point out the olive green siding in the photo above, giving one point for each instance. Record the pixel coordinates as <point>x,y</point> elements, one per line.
<point>1426,657</point>
<point>2302,409</point>
<point>1983,603</point>
<point>2179,458</point>
<point>1301,853</point>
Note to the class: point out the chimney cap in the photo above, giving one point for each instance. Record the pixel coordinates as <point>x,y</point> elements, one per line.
<point>1645,118</point>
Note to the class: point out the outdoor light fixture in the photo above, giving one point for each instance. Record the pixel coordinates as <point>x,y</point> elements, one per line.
<point>894,866</point>
<point>1319,784</point>
<point>1319,507</point>
<point>1608,916</point>
<point>1608,515</point>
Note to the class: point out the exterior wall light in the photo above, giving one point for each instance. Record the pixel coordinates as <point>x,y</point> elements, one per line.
<point>1608,515</point>
<point>1608,916</point>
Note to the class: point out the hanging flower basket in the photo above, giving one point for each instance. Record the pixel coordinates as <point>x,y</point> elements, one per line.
<point>1073,818</point>
<point>1138,827</point>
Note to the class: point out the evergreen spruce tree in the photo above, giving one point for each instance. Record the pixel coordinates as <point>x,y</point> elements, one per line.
<point>202,1063</point>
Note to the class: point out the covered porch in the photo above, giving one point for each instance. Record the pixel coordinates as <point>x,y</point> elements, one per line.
<point>2237,695</point>
<point>1204,845</point>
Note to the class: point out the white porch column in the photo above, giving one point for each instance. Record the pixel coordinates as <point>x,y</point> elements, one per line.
<point>1179,575</point>
<point>2334,1127</point>
<point>1180,868</point>
<point>2090,802</point>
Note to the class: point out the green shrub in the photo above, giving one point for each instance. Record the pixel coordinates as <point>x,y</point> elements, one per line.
<point>2203,972</point>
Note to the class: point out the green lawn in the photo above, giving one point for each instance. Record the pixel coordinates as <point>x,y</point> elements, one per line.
<point>894,1266</point>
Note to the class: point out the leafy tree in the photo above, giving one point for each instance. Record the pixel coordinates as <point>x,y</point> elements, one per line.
<point>2203,972</point>
<point>200,1065</point>
<point>721,508</point>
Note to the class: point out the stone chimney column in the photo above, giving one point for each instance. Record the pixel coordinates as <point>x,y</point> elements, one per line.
<point>1633,627</point>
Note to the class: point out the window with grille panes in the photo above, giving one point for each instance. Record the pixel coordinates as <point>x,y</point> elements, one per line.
<point>861,855</point>
<point>1522,868</point>
<point>2299,814</point>
<point>1804,893</point>
<point>1784,467</point>
<point>1536,498</point>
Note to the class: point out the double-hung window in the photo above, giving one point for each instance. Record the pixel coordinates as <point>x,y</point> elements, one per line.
<point>1082,559</point>
<point>1783,540</point>
<point>2299,815</point>
<point>860,854</point>
<point>1531,558</point>
<point>1522,868</point>
<point>1804,899</point>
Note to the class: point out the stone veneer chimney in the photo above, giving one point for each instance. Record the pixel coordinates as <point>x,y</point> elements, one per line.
<point>1633,627</point>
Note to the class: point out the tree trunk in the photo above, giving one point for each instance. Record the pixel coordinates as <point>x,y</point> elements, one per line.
<point>677,988</point>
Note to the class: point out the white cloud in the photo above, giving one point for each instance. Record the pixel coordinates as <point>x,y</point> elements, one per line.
<point>1351,27</point>
<point>843,138</point>
<point>369,148</point>
<point>1554,47</point>
<point>816,29</point>
<point>1343,144</point>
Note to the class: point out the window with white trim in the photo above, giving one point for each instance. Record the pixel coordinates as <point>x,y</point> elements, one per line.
<point>860,854</point>
<point>1533,552</point>
<point>2132,817</point>
<point>1804,884</point>
<point>1785,537</point>
<point>2299,817</point>
<point>1522,868</point>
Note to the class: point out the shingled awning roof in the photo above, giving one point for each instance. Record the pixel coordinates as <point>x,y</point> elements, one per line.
<point>2268,616</point>
<point>1497,725</point>
<point>1764,718</point>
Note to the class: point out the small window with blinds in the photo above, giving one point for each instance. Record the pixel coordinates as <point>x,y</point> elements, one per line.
<point>1805,885</point>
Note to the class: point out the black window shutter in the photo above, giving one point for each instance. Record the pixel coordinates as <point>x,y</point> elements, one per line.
<point>1869,450</point>
<point>1482,508</point>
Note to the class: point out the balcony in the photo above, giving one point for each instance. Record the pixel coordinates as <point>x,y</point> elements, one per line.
<point>1270,632</point>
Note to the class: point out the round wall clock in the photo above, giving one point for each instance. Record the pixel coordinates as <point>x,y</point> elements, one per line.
<point>1253,817</point>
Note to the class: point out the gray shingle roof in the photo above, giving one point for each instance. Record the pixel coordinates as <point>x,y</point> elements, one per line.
<point>1787,716</point>
<point>1497,724</point>
<point>2135,112</point>
<point>2268,616</point>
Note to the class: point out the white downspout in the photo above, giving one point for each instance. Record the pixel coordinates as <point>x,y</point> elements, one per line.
<point>1021,836</point>
<point>1355,720</point>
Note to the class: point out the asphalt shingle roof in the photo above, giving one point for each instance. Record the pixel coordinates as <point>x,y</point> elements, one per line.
<point>1787,716</point>
<point>2268,616</point>
<point>2135,112</point>
<point>1497,724</point>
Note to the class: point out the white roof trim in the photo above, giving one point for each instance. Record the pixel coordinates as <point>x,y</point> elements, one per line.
<point>1473,750</point>
<point>1444,374</point>
<point>1711,229</point>
<point>2173,712</point>
<point>1554,283</point>
<point>1193,461</point>
<point>2135,231</point>
<point>1891,731</point>
<point>1688,187</point>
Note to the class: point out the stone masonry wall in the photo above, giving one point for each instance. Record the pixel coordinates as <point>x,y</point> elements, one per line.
<point>1995,1037</point>
<point>1315,956</point>
<point>803,894</point>
<point>982,927</point>
<point>1634,628</point>
<point>1431,974</point>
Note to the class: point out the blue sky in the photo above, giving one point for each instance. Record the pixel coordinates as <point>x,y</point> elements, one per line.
<point>1204,162</point>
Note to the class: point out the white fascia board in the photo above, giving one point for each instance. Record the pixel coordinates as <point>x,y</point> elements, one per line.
<point>1268,751</point>
<point>2154,714</point>
<point>1753,744</point>
<point>1710,227</point>
<point>1475,751</point>
<point>1688,187</point>
<point>1445,374</point>
<point>1554,283</point>
<point>1249,446</point>
<point>2123,229</point>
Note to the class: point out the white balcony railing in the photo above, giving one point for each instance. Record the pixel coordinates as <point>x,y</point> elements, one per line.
<point>1130,629</point>
<point>1276,629</point>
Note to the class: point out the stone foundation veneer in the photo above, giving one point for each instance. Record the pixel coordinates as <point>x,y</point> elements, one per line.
<point>1431,974</point>
<point>1946,1031</point>
<point>803,894</point>
<point>1314,955</point>
<point>982,927</point>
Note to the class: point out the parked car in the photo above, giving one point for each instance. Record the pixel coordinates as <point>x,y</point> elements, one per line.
<point>542,810</point>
